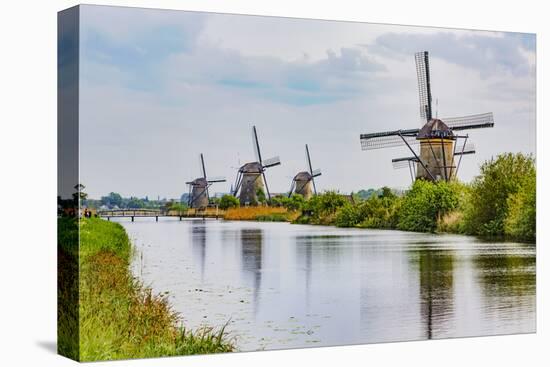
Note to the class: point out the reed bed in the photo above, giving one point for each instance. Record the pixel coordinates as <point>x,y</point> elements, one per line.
<point>261,213</point>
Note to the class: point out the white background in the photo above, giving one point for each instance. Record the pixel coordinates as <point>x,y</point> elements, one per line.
<point>28,182</point>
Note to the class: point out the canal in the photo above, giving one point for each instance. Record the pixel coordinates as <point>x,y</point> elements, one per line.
<point>279,285</point>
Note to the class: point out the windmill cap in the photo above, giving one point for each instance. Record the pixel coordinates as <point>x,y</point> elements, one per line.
<point>435,128</point>
<point>201,181</point>
<point>303,176</point>
<point>252,167</point>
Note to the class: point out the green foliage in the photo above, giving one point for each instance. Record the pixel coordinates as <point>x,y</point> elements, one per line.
<point>321,209</point>
<point>112,199</point>
<point>494,190</point>
<point>426,203</point>
<point>378,211</point>
<point>228,201</point>
<point>295,202</point>
<point>260,195</point>
<point>135,203</point>
<point>179,207</point>
<point>521,220</point>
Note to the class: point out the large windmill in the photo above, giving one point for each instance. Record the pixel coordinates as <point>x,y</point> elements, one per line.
<point>198,188</point>
<point>304,181</point>
<point>251,176</point>
<point>438,140</point>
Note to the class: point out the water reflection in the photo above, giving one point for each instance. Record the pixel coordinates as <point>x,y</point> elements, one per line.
<point>508,280</point>
<point>287,285</point>
<point>251,255</point>
<point>198,240</point>
<point>435,270</point>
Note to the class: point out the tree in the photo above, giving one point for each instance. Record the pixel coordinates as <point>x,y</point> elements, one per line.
<point>112,199</point>
<point>228,201</point>
<point>521,219</point>
<point>426,203</point>
<point>493,191</point>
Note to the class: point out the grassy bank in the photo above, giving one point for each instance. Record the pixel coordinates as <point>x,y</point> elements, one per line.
<point>118,318</point>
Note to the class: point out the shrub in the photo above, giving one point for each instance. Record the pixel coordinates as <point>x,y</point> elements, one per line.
<point>520,222</point>
<point>228,201</point>
<point>426,203</point>
<point>499,181</point>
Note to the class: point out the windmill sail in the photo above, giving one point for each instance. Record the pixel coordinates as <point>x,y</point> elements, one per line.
<point>216,179</point>
<point>478,121</point>
<point>270,162</point>
<point>424,88</point>
<point>203,168</point>
<point>256,144</point>
<point>316,173</point>
<point>388,139</point>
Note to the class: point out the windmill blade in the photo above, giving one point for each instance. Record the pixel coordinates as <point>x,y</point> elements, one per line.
<point>387,140</point>
<point>478,121</point>
<point>308,158</point>
<point>271,162</point>
<point>256,144</point>
<point>292,185</point>
<point>404,159</point>
<point>216,179</point>
<point>424,88</point>
<point>316,173</point>
<point>203,166</point>
<point>401,164</point>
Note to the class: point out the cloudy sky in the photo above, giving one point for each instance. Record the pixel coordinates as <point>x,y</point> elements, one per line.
<point>159,87</point>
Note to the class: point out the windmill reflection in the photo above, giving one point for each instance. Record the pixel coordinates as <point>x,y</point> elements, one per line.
<point>198,240</point>
<point>251,254</point>
<point>435,268</point>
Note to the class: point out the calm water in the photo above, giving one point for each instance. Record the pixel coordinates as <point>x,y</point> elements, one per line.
<point>284,286</point>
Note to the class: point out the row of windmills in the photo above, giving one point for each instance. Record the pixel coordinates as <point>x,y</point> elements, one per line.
<point>438,158</point>
<point>251,180</point>
<point>440,144</point>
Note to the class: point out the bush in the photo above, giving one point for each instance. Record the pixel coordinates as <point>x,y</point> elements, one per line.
<point>426,203</point>
<point>521,219</point>
<point>493,191</point>
<point>322,208</point>
<point>378,211</point>
<point>228,201</point>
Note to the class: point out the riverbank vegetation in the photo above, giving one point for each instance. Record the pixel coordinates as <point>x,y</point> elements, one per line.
<point>261,213</point>
<point>500,202</point>
<point>105,313</point>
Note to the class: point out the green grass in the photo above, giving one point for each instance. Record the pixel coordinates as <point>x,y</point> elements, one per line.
<point>118,318</point>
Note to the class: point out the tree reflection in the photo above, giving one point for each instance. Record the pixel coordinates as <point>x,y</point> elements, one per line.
<point>508,275</point>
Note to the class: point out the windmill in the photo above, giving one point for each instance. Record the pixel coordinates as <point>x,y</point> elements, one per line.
<point>251,176</point>
<point>198,188</point>
<point>304,181</point>
<point>438,140</point>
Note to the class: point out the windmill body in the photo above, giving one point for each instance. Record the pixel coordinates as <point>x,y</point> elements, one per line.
<point>441,143</point>
<point>199,193</point>
<point>304,182</point>
<point>251,178</point>
<point>198,188</point>
<point>251,183</point>
<point>437,143</point>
